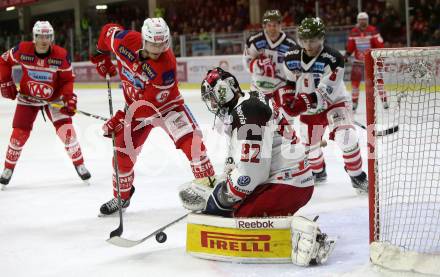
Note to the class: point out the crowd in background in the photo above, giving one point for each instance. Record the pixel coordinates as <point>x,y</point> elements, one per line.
<point>198,19</point>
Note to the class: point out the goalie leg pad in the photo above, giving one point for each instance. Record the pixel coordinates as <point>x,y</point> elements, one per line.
<point>309,245</point>
<point>194,195</point>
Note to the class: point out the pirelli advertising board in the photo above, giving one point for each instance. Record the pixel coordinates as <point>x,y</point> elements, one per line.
<point>239,240</point>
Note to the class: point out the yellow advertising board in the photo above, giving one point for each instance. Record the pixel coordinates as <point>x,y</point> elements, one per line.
<point>240,245</point>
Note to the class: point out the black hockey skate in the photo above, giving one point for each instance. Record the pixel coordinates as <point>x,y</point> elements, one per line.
<point>83,173</point>
<point>6,177</point>
<point>320,177</point>
<point>111,206</point>
<point>360,183</point>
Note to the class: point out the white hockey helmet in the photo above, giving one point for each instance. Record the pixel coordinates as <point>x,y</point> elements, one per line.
<point>362,15</point>
<point>43,28</point>
<point>155,35</point>
<point>219,87</point>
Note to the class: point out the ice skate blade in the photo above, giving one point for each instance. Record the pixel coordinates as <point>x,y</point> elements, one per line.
<point>3,187</point>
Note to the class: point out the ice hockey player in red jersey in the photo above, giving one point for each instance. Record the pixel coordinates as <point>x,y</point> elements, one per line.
<point>147,68</point>
<point>47,78</point>
<point>361,38</point>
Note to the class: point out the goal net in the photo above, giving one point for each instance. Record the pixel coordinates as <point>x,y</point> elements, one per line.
<point>403,117</point>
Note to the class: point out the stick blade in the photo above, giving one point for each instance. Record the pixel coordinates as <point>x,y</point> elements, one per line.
<point>121,242</point>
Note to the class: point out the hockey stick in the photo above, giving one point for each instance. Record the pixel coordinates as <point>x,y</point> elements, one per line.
<point>118,231</point>
<point>160,235</point>
<point>382,133</point>
<point>59,106</point>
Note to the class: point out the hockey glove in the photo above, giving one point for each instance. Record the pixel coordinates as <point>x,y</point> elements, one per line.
<point>104,64</point>
<point>114,124</point>
<point>219,202</point>
<point>69,107</point>
<point>299,104</point>
<point>283,95</point>
<point>263,66</point>
<point>8,90</point>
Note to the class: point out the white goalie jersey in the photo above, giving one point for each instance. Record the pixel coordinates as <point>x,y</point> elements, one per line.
<point>258,45</point>
<point>323,74</point>
<point>263,147</point>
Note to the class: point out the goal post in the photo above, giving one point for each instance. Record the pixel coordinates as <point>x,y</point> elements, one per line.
<point>403,95</point>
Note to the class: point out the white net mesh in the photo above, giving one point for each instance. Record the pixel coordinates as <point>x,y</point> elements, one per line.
<point>407,192</point>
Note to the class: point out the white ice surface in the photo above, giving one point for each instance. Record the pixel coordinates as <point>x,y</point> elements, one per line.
<point>48,217</point>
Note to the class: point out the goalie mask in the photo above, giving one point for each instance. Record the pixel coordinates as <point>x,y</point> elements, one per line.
<point>43,30</point>
<point>219,87</point>
<point>155,35</point>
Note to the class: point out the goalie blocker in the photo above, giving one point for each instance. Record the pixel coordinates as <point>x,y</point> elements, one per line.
<point>293,239</point>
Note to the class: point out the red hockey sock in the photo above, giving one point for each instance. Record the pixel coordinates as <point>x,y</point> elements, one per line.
<point>66,133</point>
<point>353,162</point>
<point>195,151</point>
<point>16,143</point>
<point>125,184</point>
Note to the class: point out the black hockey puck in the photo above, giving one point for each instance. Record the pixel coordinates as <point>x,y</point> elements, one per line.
<point>161,237</point>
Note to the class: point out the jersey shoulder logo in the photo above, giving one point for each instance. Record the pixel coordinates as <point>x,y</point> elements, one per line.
<point>149,71</point>
<point>329,56</point>
<point>54,62</point>
<point>27,58</point>
<point>127,53</point>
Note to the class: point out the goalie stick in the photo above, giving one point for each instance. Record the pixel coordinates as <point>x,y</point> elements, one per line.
<point>160,235</point>
<point>380,133</point>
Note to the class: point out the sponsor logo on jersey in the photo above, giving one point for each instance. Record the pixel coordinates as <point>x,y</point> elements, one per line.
<point>168,77</point>
<point>233,242</point>
<point>293,65</point>
<point>244,181</point>
<point>162,96</point>
<point>261,44</point>
<point>127,53</point>
<point>329,56</point>
<point>293,52</point>
<point>318,67</point>
<point>40,90</point>
<point>130,91</point>
<point>55,62</point>
<point>306,180</point>
<point>27,58</point>
<point>241,116</point>
<point>329,89</point>
<point>136,82</point>
<point>41,76</point>
<point>111,30</point>
<point>257,224</point>
<point>148,69</point>
<point>283,48</point>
